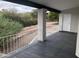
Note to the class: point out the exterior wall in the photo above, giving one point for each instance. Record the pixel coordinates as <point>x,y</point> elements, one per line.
<point>74,23</point>
<point>69,20</point>
<point>64,22</point>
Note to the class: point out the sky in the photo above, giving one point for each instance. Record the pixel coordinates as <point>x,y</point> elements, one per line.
<point>18,7</point>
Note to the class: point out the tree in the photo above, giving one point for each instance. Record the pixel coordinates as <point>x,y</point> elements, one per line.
<point>34,14</point>
<point>53,16</point>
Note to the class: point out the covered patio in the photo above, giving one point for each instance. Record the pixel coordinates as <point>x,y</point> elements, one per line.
<point>60,44</point>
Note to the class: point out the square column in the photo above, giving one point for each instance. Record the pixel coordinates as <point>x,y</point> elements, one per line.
<point>60,22</point>
<point>41,24</point>
<point>77,42</point>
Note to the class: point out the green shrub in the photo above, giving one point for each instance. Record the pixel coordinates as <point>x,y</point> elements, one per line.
<point>26,19</point>
<point>53,16</point>
<point>8,27</point>
<point>11,15</point>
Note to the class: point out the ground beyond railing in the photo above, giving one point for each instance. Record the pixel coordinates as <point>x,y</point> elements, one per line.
<point>13,42</point>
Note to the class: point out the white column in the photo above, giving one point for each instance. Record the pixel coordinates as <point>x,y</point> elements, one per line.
<point>41,24</point>
<point>60,22</point>
<point>77,45</point>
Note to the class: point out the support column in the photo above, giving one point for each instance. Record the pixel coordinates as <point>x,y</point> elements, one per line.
<point>60,22</point>
<point>77,42</point>
<point>41,24</point>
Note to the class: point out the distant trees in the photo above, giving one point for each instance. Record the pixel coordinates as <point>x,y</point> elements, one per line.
<point>26,19</point>
<point>29,18</point>
<point>34,14</point>
<point>8,26</point>
<point>13,21</point>
<point>52,16</point>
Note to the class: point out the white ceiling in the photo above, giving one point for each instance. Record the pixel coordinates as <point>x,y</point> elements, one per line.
<point>58,4</point>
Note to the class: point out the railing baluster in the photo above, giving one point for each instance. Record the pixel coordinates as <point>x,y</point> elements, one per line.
<point>7,44</point>
<point>16,42</point>
<point>10,43</point>
<point>3,45</point>
<point>23,40</point>
<point>19,40</point>
<point>13,43</point>
<point>0,46</point>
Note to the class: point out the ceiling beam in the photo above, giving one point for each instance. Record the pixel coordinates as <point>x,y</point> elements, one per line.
<point>33,4</point>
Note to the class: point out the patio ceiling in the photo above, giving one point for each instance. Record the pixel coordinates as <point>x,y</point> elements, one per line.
<point>52,5</point>
<point>58,4</point>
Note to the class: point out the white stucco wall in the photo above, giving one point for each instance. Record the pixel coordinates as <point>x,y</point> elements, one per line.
<point>64,22</point>
<point>69,20</point>
<point>74,23</point>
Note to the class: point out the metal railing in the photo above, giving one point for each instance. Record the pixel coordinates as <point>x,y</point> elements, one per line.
<point>13,42</point>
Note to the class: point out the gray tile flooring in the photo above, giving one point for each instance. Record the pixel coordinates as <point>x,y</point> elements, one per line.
<point>58,45</point>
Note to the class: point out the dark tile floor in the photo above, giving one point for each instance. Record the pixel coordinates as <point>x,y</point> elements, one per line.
<point>58,45</point>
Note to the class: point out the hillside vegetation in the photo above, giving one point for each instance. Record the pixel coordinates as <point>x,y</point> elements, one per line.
<point>12,22</point>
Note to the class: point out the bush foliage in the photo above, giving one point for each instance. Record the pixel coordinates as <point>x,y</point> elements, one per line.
<point>11,21</point>
<point>26,19</point>
<point>7,26</point>
<point>52,16</point>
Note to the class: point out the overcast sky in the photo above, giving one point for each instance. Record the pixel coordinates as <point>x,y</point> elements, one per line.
<point>18,7</point>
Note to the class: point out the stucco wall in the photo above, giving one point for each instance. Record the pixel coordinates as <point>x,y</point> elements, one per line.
<point>69,20</point>
<point>64,22</point>
<point>74,23</point>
